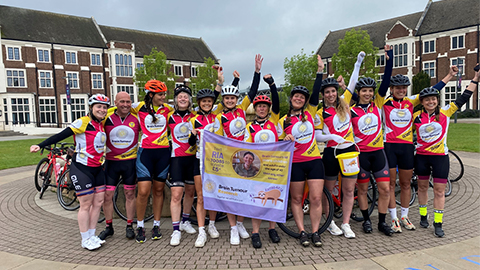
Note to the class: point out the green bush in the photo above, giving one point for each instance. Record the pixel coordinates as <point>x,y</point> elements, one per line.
<point>469,113</point>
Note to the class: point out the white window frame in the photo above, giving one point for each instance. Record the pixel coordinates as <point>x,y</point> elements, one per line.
<point>120,66</point>
<point>97,57</point>
<point>379,78</point>
<point>457,36</point>
<point>179,68</point>
<point>71,79</point>
<point>425,47</point>
<point>77,108</point>
<point>193,71</point>
<point>43,52</point>
<point>177,84</point>
<point>47,110</point>
<point>400,57</point>
<point>454,59</point>
<point>13,53</point>
<point>70,58</point>
<point>25,113</point>
<point>19,78</point>
<point>126,88</point>
<point>378,62</point>
<point>94,74</point>
<point>429,68</point>
<point>40,78</point>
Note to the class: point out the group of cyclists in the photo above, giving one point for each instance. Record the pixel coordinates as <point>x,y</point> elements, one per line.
<point>169,148</point>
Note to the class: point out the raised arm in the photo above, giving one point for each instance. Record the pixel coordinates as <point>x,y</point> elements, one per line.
<point>236,78</point>
<point>451,73</point>
<point>382,90</point>
<point>472,87</point>
<point>318,82</point>
<point>256,77</point>
<point>273,91</point>
<point>220,79</point>
<point>356,71</point>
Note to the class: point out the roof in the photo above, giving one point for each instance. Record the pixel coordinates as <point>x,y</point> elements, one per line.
<point>376,30</point>
<point>450,14</point>
<point>41,26</point>
<point>175,47</point>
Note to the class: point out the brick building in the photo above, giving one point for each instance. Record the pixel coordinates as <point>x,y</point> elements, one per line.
<point>446,33</point>
<point>42,52</point>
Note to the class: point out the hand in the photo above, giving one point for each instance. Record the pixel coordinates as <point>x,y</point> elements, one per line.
<point>338,139</point>
<point>194,131</point>
<point>236,74</point>
<point>453,71</point>
<point>387,48</point>
<point>34,148</point>
<point>477,75</point>
<point>220,77</point>
<point>268,79</point>
<point>341,82</point>
<point>320,63</point>
<point>289,137</point>
<point>258,63</point>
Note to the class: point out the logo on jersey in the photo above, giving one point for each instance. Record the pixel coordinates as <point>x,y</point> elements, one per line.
<point>264,136</point>
<point>302,131</point>
<point>182,132</point>
<point>213,127</point>
<point>121,137</point>
<point>131,124</point>
<point>341,125</point>
<point>99,142</point>
<point>237,127</point>
<point>156,127</point>
<point>400,117</point>
<point>430,132</point>
<point>368,124</point>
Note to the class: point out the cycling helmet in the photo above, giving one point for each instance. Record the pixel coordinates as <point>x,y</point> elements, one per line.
<point>399,79</point>
<point>366,82</point>
<point>98,98</point>
<point>155,86</point>
<point>204,93</point>
<point>261,99</point>
<point>300,89</point>
<point>429,91</point>
<point>329,82</point>
<point>230,90</point>
<point>182,88</point>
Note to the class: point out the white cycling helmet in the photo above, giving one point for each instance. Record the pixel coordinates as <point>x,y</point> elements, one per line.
<point>98,98</point>
<point>230,90</point>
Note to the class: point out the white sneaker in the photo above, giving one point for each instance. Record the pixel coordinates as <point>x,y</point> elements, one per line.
<point>96,239</point>
<point>90,245</point>
<point>242,231</point>
<point>333,229</point>
<point>212,231</point>
<point>234,237</point>
<point>176,236</point>
<point>347,231</point>
<point>187,227</point>
<point>201,240</point>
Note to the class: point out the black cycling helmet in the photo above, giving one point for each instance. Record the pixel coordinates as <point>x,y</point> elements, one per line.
<point>366,82</point>
<point>204,93</point>
<point>429,91</point>
<point>329,82</point>
<point>182,88</point>
<point>399,79</point>
<point>300,89</point>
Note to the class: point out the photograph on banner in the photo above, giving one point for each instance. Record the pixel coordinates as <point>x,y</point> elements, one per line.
<point>246,179</point>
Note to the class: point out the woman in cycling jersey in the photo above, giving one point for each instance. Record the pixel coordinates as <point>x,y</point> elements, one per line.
<point>86,170</point>
<point>264,130</point>
<point>298,126</point>
<point>335,127</point>
<point>232,125</point>
<point>431,125</point>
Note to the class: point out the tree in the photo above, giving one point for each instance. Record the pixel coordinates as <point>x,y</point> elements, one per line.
<point>206,75</point>
<point>155,67</point>
<point>348,49</point>
<point>301,69</point>
<point>419,81</point>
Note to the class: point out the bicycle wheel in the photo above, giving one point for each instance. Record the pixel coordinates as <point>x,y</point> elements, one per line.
<point>46,181</point>
<point>290,227</point>
<point>119,203</point>
<point>456,167</point>
<point>371,197</point>
<point>66,194</point>
<point>41,173</point>
<point>413,194</point>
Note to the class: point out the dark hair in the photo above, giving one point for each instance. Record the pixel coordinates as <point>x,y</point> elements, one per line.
<point>149,106</point>
<point>249,153</point>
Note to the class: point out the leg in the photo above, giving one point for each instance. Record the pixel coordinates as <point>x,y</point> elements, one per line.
<point>201,212</point>
<point>143,194</point>
<point>97,203</point>
<point>348,189</point>
<point>315,195</point>
<point>296,195</point>
<point>384,196</point>
<point>129,203</point>
<point>188,198</point>
<point>405,177</point>
<point>393,182</point>
<point>256,225</point>
<point>176,203</point>
<point>362,189</point>
<point>108,204</point>
<point>157,191</point>
<point>329,184</point>
<point>83,216</point>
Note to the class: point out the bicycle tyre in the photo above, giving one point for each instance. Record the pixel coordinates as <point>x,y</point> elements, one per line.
<point>40,173</point>
<point>66,193</point>
<point>371,197</point>
<point>46,181</point>
<point>119,195</point>
<point>456,169</point>
<point>290,228</point>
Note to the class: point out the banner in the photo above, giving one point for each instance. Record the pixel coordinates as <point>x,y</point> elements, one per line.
<point>246,179</point>
<point>67,91</point>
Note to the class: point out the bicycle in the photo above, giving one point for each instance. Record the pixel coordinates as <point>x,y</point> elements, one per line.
<point>456,167</point>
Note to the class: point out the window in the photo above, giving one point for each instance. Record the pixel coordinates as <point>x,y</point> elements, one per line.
<point>45,78</point>
<point>123,65</point>
<point>429,46</point>
<point>48,111</point>
<point>140,65</point>
<point>128,89</point>
<point>77,109</point>
<point>400,55</point>
<point>178,84</point>
<point>459,62</point>
<point>13,53</point>
<point>450,94</point>
<point>194,72</point>
<point>429,68</point>
<point>458,42</point>
<point>43,55</point>
<point>97,82</point>
<point>379,78</point>
<point>96,59</point>
<point>71,57</point>
<point>72,79</point>
<point>380,61</point>
<point>5,109</point>
<point>16,78</point>
<point>178,70</point>
<point>20,111</point>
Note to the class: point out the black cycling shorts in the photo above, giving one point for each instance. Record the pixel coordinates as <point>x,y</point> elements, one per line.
<point>400,154</point>
<point>196,167</point>
<point>375,162</point>
<point>307,170</point>
<point>153,164</point>
<point>87,180</point>
<point>332,167</point>
<point>126,169</point>
<point>437,166</point>
<point>181,170</point>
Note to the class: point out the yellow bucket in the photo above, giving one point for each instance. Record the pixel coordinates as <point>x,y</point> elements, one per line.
<point>349,163</point>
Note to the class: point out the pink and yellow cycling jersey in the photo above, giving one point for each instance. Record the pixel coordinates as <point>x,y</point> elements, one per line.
<point>306,148</point>
<point>180,128</point>
<point>432,135</point>
<point>265,132</point>
<point>331,123</point>
<point>122,136</point>
<point>367,125</point>
<point>208,122</point>
<point>90,138</point>
<point>233,123</point>
<point>154,134</point>
<point>397,116</point>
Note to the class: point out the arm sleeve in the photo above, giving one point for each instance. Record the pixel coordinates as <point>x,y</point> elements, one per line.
<point>386,75</point>
<point>461,100</point>
<point>216,93</point>
<point>235,82</point>
<point>67,132</point>
<point>192,140</point>
<point>356,71</point>
<point>275,99</point>
<point>254,87</point>
<point>316,90</point>
<point>439,86</point>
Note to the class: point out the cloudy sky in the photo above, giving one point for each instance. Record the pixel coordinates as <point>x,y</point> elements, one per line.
<point>236,30</point>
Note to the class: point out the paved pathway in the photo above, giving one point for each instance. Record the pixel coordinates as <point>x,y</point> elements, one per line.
<point>39,234</point>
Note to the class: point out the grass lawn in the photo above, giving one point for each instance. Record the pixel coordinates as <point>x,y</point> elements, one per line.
<point>464,137</point>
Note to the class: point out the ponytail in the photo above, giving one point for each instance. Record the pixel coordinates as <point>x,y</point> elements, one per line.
<point>149,107</point>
